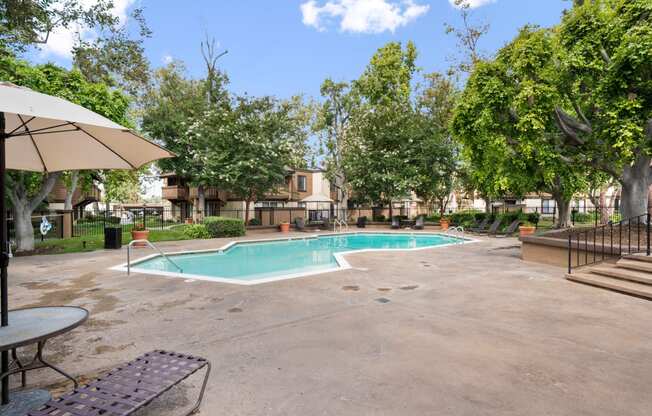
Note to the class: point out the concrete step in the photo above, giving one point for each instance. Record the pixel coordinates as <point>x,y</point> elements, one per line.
<point>642,266</point>
<point>622,286</point>
<point>612,270</point>
<point>639,257</point>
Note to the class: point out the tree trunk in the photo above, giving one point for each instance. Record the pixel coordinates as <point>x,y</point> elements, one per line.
<point>200,205</point>
<point>563,210</point>
<point>635,187</point>
<point>70,190</point>
<point>604,208</point>
<point>24,206</point>
<point>23,227</point>
<point>649,200</point>
<point>487,205</point>
<point>247,204</point>
<point>391,210</point>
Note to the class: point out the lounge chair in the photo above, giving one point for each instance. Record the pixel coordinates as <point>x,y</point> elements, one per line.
<point>482,226</point>
<point>396,223</point>
<point>419,223</point>
<point>494,227</point>
<point>361,222</point>
<point>299,224</point>
<point>513,227</point>
<point>130,387</point>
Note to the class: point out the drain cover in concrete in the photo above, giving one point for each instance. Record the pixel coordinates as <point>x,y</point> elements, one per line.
<point>382,300</point>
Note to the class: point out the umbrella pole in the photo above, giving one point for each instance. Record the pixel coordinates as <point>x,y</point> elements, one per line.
<point>4,258</point>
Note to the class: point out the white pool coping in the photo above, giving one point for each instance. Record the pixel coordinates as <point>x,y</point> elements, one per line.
<point>343,264</point>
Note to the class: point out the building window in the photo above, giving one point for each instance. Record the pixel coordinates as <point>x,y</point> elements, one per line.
<point>302,183</point>
<point>268,204</point>
<point>547,206</point>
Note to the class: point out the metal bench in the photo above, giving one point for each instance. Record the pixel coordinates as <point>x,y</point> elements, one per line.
<point>130,387</point>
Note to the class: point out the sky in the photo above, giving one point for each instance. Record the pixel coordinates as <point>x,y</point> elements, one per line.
<point>288,47</point>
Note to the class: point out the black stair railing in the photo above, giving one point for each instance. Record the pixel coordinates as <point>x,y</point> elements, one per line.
<point>593,245</point>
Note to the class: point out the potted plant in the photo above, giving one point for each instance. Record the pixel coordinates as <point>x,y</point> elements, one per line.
<point>444,222</point>
<point>527,228</point>
<point>285,227</point>
<point>139,232</point>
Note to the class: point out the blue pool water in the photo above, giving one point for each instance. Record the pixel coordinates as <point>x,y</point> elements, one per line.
<point>274,259</point>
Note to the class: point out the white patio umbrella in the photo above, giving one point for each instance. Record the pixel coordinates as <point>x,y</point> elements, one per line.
<point>42,133</point>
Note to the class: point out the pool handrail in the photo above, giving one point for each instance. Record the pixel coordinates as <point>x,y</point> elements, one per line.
<point>341,223</point>
<point>151,245</point>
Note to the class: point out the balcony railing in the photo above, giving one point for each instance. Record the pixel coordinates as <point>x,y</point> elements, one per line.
<point>175,193</point>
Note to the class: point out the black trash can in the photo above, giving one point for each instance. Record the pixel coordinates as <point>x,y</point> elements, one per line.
<point>113,238</point>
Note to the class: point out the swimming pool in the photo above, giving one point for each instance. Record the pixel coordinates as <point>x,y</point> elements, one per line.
<point>254,262</point>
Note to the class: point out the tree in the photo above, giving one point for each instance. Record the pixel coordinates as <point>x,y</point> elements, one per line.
<point>378,158</point>
<point>168,110</point>
<point>247,150</point>
<point>115,58</point>
<point>605,60</point>
<point>468,37</point>
<point>435,152</point>
<point>27,190</point>
<point>332,125</point>
<point>25,23</point>
<point>506,122</point>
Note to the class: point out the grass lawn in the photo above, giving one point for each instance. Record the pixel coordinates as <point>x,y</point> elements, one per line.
<point>96,242</point>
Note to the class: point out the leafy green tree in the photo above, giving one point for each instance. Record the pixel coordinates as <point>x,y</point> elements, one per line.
<point>332,126</point>
<point>378,160</point>
<point>25,23</point>
<point>169,108</point>
<point>27,190</point>
<point>116,58</point>
<point>507,125</point>
<point>436,154</point>
<point>604,57</point>
<point>247,150</point>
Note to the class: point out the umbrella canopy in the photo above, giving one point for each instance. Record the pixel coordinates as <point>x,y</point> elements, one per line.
<point>49,134</point>
<point>41,133</point>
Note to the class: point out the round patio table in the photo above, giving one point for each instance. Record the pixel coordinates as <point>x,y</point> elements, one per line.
<point>30,326</point>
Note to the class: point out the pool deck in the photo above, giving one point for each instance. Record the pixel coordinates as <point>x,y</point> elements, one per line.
<point>457,330</point>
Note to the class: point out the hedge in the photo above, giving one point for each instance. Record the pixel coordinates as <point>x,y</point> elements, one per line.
<point>224,227</point>
<point>196,231</point>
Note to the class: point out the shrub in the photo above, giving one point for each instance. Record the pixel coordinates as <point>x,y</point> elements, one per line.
<point>113,220</point>
<point>196,231</point>
<point>463,218</point>
<point>254,222</point>
<point>433,218</point>
<point>379,218</point>
<point>583,217</point>
<point>533,218</point>
<point>224,227</point>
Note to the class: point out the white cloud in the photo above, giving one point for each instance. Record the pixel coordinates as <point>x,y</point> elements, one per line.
<point>362,16</point>
<point>473,4</point>
<point>61,41</point>
<point>167,59</point>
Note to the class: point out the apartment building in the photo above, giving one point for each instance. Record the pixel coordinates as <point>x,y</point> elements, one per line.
<point>306,192</point>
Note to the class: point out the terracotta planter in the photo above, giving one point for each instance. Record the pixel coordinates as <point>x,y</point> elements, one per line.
<point>188,220</point>
<point>526,230</point>
<point>444,223</point>
<point>140,235</point>
<point>285,227</point>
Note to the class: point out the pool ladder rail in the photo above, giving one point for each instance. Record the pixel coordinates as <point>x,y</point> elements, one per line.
<point>342,224</point>
<point>455,230</point>
<point>152,246</point>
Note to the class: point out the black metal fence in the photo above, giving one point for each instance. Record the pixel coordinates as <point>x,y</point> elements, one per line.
<point>594,245</point>
<point>45,225</point>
